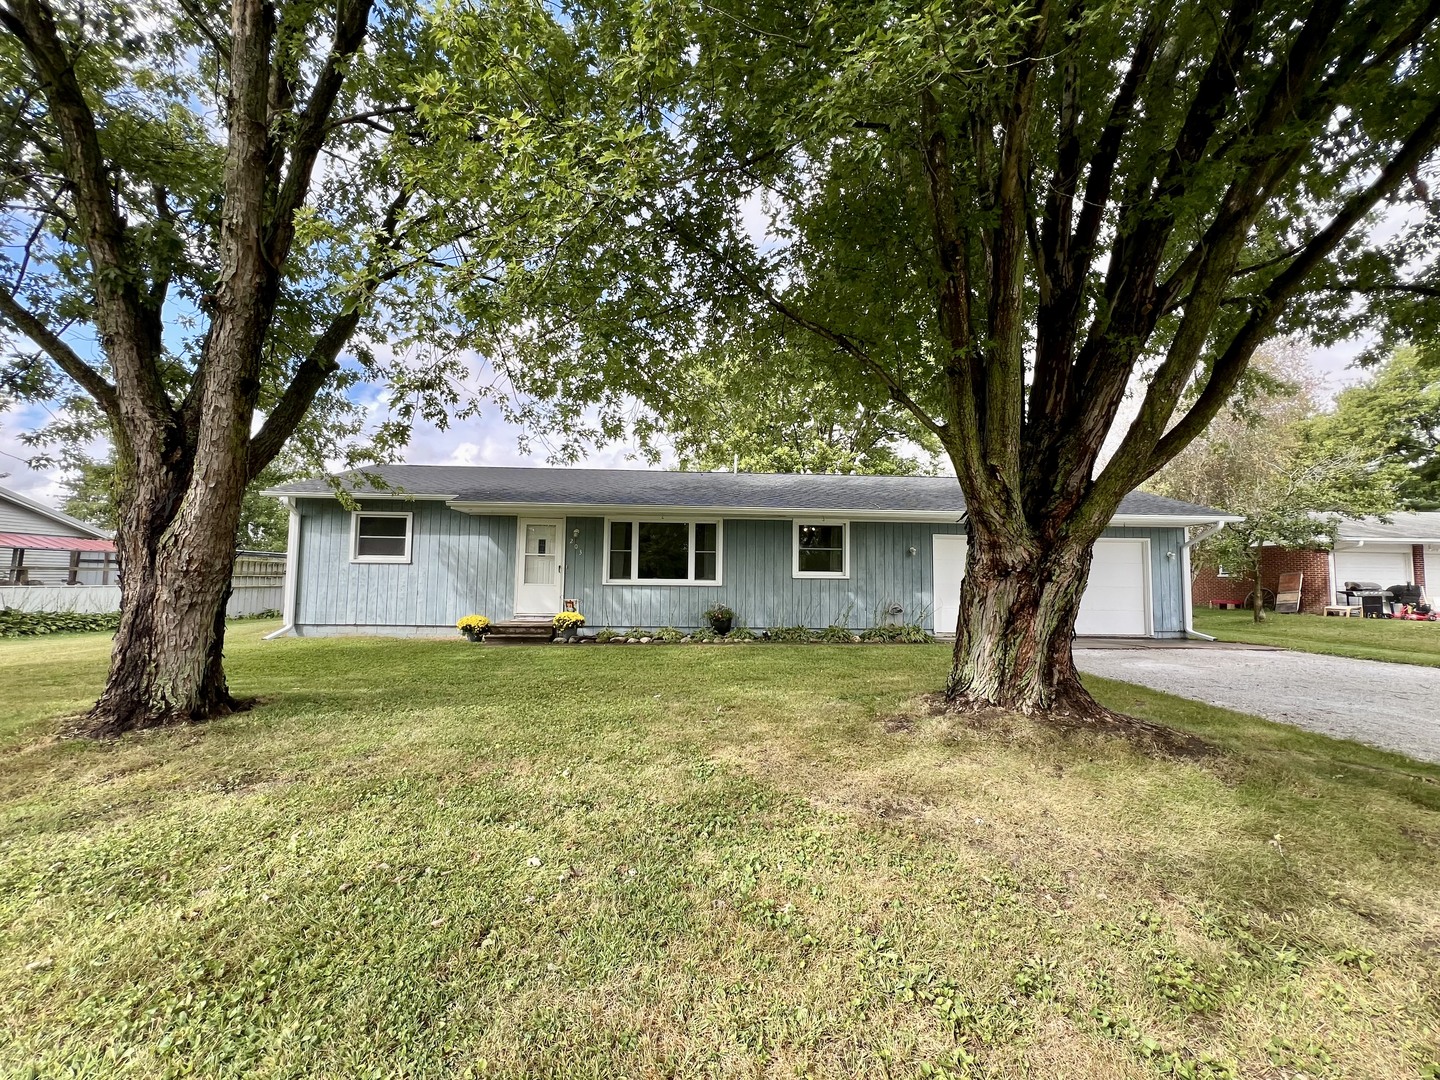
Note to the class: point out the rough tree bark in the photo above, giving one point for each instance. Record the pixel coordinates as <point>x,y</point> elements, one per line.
<point>1018,604</point>
<point>183,465</point>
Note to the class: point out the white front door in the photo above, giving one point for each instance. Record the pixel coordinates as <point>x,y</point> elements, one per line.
<point>540,575</point>
<point>949,557</point>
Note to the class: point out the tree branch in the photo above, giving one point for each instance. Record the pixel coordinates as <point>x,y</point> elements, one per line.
<point>351,24</point>
<point>323,358</point>
<point>66,358</point>
<point>1228,368</point>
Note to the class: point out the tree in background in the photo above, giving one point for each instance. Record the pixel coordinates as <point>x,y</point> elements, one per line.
<point>999,216</point>
<point>264,521</point>
<point>1255,460</point>
<point>1395,413</point>
<point>203,214</point>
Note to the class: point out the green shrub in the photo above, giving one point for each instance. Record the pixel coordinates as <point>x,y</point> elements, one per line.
<point>268,613</point>
<point>15,623</point>
<point>790,634</point>
<point>837,635</point>
<point>606,635</point>
<point>669,635</point>
<point>704,633</point>
<point>636,633</point>
<point>741,633</point>
<point>895,634</point>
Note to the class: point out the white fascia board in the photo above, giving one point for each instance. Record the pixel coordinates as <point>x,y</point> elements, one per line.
<point>1169,521</point>
<point>358,496</point>
<point>651,512</point>
<point>810,513</point>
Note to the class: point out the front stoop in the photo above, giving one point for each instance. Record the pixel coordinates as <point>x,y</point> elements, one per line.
<point>520,632</point>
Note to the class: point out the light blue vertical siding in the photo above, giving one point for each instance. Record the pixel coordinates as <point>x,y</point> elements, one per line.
<point>756,579</point>
<point>459,564</point>
<point>463,563</point>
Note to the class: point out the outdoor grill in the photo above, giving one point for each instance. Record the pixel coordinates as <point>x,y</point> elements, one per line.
<point>1371,596</point>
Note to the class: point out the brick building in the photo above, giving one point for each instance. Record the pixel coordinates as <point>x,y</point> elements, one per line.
<point>1403,551</point>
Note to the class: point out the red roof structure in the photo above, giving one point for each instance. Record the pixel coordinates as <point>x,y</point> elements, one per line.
<point>35,541</point>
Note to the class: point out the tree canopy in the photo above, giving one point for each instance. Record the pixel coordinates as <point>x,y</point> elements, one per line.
<point>1002,217</point>
<point>1394,418</point>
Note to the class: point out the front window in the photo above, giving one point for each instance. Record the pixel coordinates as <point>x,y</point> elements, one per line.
<point>663,551</point>
<point>376,537</point>
<point>822,549</point>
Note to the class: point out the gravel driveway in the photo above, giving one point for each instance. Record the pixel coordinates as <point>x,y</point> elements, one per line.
<point>1394,706</point>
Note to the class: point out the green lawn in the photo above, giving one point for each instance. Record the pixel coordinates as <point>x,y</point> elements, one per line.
<point>1393,640</point>
<point>429,859</point>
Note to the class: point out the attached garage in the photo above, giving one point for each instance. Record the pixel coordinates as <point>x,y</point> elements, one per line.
<point>1386,565</point>
<point>1117,600</point>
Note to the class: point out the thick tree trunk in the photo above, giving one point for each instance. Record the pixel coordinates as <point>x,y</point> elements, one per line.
<point>1017,617</point>
<point>177,555</point>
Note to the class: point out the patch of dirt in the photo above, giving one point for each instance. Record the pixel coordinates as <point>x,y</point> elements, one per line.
<point>1157,740</point>
<point>898,723</point>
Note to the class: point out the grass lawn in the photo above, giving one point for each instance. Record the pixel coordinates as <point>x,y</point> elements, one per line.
<point>425,859</point>
<point>1393,640</point>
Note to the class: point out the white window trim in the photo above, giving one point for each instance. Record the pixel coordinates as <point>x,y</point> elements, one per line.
<point>1220,571</point>
<point>665,519</point>
<point>795,570</point>
<point>356,515</point>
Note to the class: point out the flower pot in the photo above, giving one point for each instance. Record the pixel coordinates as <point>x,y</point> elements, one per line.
<point>568,634</point>
<point>473,635</point>
<point>722,626</point>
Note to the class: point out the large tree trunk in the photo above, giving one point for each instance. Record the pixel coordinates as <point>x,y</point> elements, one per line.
<point>177,554</point>
<point>1017,617</point>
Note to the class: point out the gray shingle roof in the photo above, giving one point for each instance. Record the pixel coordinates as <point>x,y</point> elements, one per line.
<point>726,491</point>
<point>1420,526</point>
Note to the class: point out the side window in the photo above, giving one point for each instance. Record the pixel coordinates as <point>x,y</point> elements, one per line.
<point>822,549</point>
<point>380,537</point>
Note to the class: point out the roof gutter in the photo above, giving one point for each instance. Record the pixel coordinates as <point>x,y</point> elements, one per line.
<point>1185,598</point>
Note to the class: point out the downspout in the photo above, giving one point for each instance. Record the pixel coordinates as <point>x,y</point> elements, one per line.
<point>292,568</point>
<point>1187,599</point>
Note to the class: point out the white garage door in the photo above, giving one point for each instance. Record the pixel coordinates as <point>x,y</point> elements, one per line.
<point>1116,602</point>
<point>1385,567</point>
<point>949,573</point>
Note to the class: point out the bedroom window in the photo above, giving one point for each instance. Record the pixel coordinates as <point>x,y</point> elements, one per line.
<point>822,549</point>
<point>662,552</point>
<point>380,537</point>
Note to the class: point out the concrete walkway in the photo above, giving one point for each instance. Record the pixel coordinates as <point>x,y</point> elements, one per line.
<point>1393,706</point>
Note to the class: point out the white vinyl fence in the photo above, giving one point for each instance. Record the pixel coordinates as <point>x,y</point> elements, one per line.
<point>258,585</point>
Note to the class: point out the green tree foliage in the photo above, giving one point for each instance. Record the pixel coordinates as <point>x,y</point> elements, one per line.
<point>264,522</point>
<point>1393,418</point>
<point>1255,460</point>
<point>775,414</point>
<point>1000,216</point>
<point>206,241</point>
